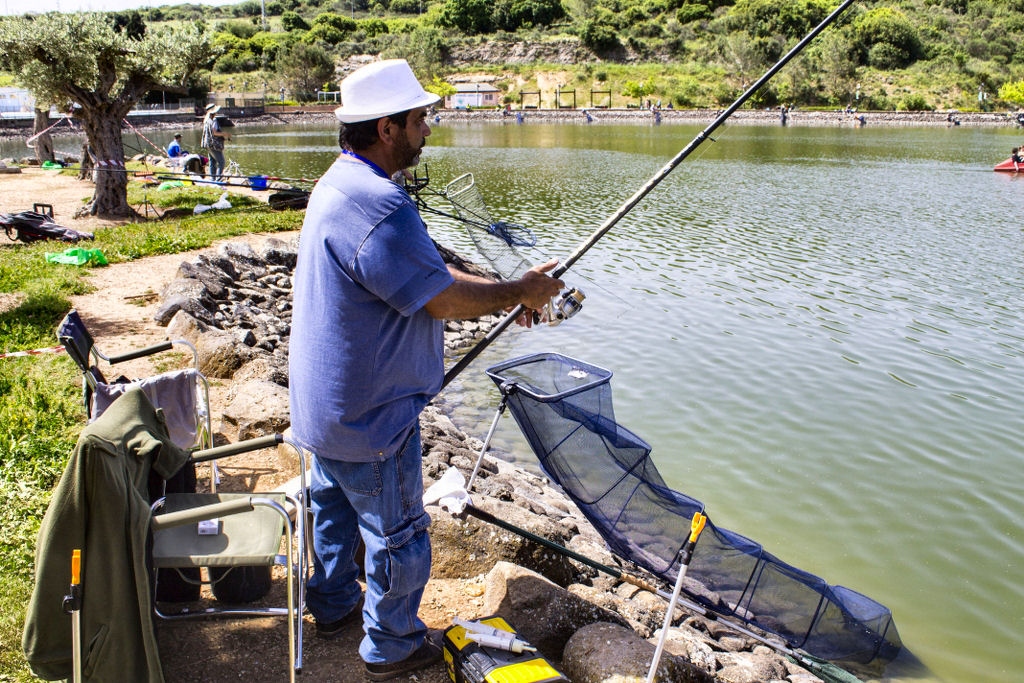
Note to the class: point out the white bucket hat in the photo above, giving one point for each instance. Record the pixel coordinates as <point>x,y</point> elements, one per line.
<point>379,89</point>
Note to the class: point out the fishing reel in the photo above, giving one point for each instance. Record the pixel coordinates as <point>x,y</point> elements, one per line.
<point>564,307</point>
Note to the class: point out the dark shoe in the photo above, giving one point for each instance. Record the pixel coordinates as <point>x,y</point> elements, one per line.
<point>333,629</point>
<point>428,653</point>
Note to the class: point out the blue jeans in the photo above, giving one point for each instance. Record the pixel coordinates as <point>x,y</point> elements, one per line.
<point>216,163</point>
<point>383,503</point>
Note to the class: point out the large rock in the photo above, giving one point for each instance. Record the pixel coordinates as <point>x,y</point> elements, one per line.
<point>257,408</point>
<point>204,269</point>
<point>542,613</point>
<point>471,547</point>
<point>220,353</point>
<point>185,294</point>
<point>246,262</point>
<point>609,653</point>
<point>761,665</point>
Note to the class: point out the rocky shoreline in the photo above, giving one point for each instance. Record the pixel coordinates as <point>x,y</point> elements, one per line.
<point>234,304</point>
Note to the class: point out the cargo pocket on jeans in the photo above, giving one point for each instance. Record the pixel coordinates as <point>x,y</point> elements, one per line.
<point>409,557</point>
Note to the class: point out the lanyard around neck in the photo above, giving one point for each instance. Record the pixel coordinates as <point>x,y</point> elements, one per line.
<point>374,167</point>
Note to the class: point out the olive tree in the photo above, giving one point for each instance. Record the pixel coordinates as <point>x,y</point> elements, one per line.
<point>89,64</point>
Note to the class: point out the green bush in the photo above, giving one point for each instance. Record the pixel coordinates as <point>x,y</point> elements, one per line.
<point>886,56</point>
<point>324,33</point>
<point>686,92</point>
<point>339,22</point>
<point>600,33</point>
<point>512,15</point>
<point>291,21</point>
<point>406,6</point>
<point>373,27</point>
<point>692,11</point>
<point>915,103</point>
<point>886,38</point>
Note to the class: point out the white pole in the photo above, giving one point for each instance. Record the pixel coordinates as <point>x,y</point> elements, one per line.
<point>696,526</point>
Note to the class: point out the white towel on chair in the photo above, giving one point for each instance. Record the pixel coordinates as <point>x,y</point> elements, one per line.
<point>173,392</point>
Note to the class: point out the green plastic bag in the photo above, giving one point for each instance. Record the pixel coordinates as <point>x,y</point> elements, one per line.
<point>170,184</point>
<point>77,256</point>
<point>52,164</point>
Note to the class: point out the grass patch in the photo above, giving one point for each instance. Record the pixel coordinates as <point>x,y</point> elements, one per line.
<point>40,396</point>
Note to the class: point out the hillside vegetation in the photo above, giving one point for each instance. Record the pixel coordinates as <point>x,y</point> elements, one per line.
<point>881,55</point>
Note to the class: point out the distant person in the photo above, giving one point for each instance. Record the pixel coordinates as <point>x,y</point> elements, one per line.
<point>174,149</point>
<point>1016,158</point>
<point>213,141</point>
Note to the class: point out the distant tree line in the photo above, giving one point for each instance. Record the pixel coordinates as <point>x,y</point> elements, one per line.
<point>906,53</point>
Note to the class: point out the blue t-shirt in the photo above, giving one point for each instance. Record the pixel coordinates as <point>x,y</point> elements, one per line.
<point>174,149</point>
<point>365,357</point>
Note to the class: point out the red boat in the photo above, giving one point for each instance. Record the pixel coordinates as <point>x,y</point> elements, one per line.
<point>1010,167</point>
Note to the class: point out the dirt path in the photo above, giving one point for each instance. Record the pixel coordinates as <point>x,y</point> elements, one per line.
<point>119,314</point>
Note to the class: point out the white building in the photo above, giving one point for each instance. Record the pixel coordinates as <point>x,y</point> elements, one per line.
<point>16,100</point>
<point>470,95</point>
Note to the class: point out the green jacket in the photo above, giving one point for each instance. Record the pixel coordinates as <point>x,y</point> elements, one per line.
<point>102,507</point>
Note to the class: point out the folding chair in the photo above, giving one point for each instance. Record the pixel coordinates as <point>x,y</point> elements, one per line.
<point>184,398</point>
<point>183,395</point>
<point>236,531</point>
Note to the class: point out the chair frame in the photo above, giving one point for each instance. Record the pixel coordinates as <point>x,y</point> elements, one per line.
<point>79,344</point>
<point>295,560</point>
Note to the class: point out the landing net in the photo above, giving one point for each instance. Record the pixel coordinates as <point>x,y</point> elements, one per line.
<point>564,408</point>
<point>495,240</point>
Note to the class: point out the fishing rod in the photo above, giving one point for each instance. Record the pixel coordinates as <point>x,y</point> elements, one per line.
<point>628,205</point>
<point>181,174</point>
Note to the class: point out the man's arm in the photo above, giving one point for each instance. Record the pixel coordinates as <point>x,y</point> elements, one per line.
<point>471,296</point>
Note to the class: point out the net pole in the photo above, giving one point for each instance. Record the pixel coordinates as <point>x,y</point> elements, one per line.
<point>696,526</point>
<point>628,205</point>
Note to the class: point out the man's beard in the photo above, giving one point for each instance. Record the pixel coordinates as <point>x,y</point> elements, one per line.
<point>408,156</point>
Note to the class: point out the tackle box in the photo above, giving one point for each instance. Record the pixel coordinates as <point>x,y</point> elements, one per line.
<point>468,662</point>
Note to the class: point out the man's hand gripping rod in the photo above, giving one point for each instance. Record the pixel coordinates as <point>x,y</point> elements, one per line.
<point>628,205</point>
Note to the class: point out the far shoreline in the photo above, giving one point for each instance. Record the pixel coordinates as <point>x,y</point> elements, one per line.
<point>323,114</point>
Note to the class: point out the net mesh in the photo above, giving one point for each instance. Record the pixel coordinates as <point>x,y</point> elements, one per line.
<point>564,408</point>
<point>495,240</point>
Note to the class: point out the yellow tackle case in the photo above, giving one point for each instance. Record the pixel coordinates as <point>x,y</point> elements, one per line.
<point>468,662</point>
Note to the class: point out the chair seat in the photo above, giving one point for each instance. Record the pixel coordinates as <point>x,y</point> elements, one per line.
<point>247,538</point>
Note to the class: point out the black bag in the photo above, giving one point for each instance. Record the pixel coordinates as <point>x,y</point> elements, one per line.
<point>175,585</point>
<point>291,198</point>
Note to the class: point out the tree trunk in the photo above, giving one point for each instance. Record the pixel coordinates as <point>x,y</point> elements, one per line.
<point>103,131</point>
<point>85,169</point>
<point>43,143</point>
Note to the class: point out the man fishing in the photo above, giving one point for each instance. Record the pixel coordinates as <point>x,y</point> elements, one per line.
<point>370,294</point>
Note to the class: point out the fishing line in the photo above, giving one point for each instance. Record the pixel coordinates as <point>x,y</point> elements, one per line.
<point>628,205</point>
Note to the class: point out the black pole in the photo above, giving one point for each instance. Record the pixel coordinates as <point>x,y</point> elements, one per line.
<point>628,205</point>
